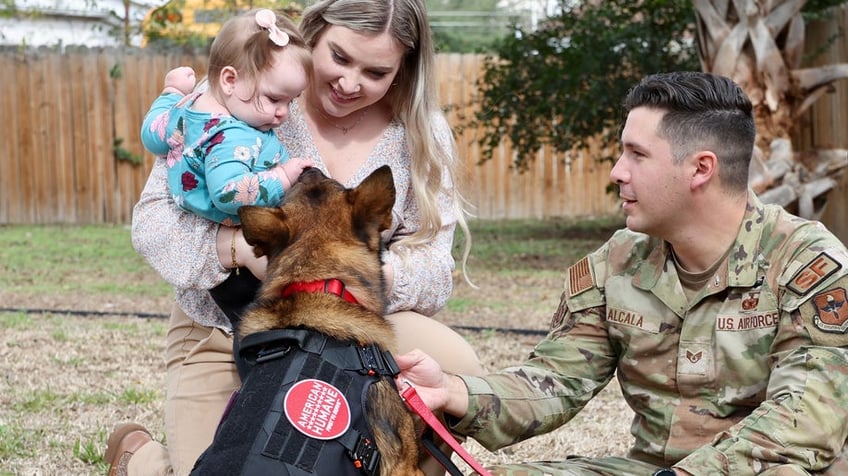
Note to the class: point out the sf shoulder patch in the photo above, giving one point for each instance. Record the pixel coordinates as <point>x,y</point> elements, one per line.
<point>814,272</point>
<point>580,277</point>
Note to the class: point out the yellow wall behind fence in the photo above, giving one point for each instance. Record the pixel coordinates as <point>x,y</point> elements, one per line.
<point>63,113</point>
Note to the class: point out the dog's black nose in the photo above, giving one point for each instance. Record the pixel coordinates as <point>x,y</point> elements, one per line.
<point>310,174</point>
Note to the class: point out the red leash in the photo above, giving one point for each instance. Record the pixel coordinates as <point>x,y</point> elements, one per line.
<point>414,402</point>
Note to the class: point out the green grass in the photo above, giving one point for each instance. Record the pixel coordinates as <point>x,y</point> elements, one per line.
<point>89,452</point>
<point>14,441</point>
<point>100,259</point>
<point>14,321</point>
<point>521,246</point>
<point>95,259</point>
<point>65,371</point>
<point>135,396</point>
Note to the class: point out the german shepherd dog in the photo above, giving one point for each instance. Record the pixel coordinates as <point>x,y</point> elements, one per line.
<point>325,278</point>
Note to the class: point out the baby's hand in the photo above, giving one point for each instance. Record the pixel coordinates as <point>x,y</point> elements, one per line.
<point>292,170</point>
<point>180,80</point>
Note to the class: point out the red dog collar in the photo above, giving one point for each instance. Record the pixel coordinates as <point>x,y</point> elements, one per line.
<point>330,286</point>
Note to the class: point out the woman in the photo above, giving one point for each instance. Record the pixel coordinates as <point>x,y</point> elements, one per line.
<point>371,101</point>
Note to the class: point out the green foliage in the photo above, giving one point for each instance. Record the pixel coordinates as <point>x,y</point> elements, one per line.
<point>37,401</point>
<point>188,42</point>
<point>816,9</point>
<point>14,320</point>
<point>123,154</point>
<point>8,9</point>
<point>563,84</point>
<point>193,25</point>
<point>819,10</point>
<point>116,72</point>
<point>467,26</point>
<point>165,29</point>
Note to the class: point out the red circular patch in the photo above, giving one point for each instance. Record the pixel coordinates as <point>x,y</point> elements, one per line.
<point>317,409</point>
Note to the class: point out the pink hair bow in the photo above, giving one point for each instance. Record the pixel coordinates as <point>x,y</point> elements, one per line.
<point>267,20</point>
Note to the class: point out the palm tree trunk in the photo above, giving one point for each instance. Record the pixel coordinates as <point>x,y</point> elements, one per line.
<point>760,45</point>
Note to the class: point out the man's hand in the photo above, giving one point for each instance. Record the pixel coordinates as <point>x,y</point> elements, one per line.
<point>438,390</point>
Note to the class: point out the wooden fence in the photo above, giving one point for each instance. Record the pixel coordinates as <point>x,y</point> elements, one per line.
<point>68,116</point>
<point>825,124</point>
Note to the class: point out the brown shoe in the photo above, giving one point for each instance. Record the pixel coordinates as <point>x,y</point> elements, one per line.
<point>125,440</point>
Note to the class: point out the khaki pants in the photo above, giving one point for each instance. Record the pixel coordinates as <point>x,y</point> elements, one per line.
<point>201,377</point>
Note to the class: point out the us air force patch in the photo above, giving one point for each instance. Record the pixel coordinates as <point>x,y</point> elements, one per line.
<point>811,274</point>
<point>831,311</point>
<point>580,277</point>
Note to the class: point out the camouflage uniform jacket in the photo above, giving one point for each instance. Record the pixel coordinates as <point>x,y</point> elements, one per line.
<point>749,375</point>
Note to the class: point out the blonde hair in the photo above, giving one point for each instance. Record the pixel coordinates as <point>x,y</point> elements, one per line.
<point>244,45</point>
<point>413,99</point>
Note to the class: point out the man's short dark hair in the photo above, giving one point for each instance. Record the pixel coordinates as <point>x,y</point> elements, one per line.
<point>703,112</point>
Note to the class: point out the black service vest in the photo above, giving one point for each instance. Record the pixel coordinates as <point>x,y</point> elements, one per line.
<point>288,417</point>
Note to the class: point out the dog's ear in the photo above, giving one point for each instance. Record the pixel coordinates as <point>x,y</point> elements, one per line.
<point>372,202</point>
<point>264,228</point>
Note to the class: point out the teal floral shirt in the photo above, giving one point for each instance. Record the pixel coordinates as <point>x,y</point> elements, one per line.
<point>216,164</point>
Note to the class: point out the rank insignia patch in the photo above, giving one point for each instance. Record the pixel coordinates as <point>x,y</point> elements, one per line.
<point>750,302</point>
<point>810,275</point>
<point>831,311</point>
<point>694,357</point>
<point>580,277</point>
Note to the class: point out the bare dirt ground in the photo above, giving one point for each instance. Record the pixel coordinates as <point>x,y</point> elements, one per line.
<point>67,379</point>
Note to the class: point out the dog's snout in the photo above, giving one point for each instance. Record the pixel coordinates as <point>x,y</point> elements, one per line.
<point>311,174</point>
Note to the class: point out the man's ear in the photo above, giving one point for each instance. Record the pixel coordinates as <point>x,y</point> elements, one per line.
<point>705,168</point>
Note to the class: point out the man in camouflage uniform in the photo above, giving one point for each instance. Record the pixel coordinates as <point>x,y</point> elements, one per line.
<point>724,319</point>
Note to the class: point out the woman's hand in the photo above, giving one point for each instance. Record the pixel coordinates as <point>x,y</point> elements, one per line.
<point>389,277</point>
<point>257,266</point>
<point>234,251</point>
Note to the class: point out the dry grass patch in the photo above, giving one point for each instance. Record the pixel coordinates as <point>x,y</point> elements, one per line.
<point>68,379</point>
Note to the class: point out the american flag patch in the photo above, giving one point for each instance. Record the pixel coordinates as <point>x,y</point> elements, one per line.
<point>580,277</point>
